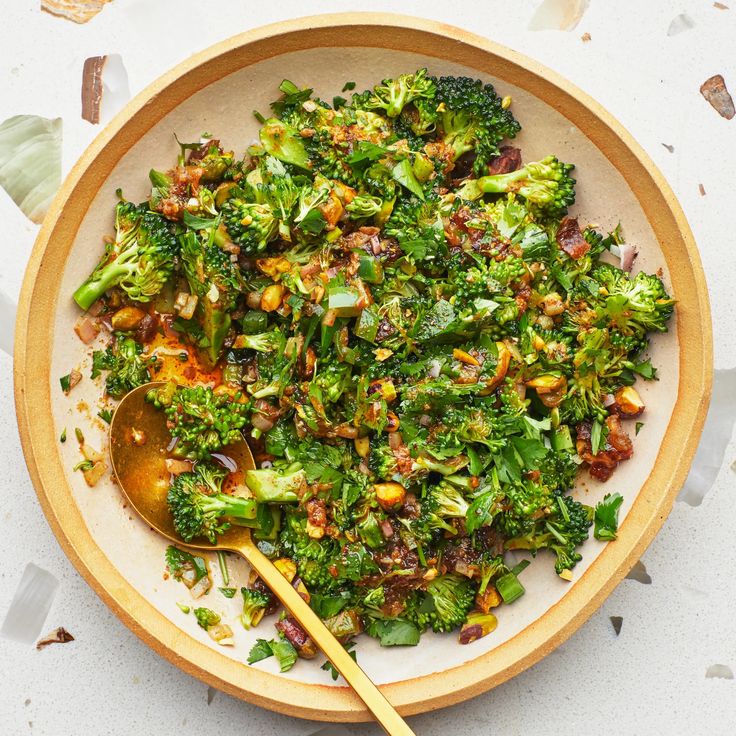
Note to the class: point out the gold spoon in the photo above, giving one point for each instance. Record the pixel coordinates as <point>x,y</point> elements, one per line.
<point>140,467</point>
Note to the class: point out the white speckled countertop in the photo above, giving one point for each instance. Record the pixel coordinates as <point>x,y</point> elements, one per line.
<point>650,678</point>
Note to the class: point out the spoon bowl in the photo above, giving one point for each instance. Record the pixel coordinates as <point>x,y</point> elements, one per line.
<point>139,439</point>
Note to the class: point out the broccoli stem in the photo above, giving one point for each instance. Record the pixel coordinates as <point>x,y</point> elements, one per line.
<point>499,183</point>
<point>233,507</point>
<point>99,282</point>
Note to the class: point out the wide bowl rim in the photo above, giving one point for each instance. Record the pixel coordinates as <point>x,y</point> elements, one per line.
<point>40,287</point>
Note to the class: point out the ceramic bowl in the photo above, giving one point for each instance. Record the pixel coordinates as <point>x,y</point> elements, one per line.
<point>216,91</point>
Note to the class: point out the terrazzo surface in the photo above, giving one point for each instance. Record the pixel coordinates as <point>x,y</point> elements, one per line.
<point>658,674</point>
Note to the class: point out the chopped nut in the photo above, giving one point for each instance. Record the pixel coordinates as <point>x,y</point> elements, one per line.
<point>362,446</point>
<point>271,297</point>
<point>389,495</point>
<point>628,402</point>
<point>127,318</point>
<point>477,625</point>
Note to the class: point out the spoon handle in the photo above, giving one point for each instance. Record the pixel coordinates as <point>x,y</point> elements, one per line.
<point>383,711</point>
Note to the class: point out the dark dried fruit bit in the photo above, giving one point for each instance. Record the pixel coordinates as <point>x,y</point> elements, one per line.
<point>714,90</point>
<point>570,238</point>
<point>57,636</point>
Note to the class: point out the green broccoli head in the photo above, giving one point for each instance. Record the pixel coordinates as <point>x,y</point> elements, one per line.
<point>546,186</point>
<point>632,306</point>
<point>364,206</point>
<point>206,617</point>
<point>448,599</point>
<point>315,558</point>
<point>470,116</point>
<point>126,367</point>
<point>448,502</point>
<point>140,260</point>
<point>255,603</point>
<point>264,342</point>
<point>564,529</point>
<point>202,421</point>
<point>392,95</point>
<point>198,507</point>
<point>251,225</point>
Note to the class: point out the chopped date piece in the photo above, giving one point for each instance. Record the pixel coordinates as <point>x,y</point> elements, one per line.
<point>507,161</point>
<point>570,238</point>
<point>618,447</point>
<point>299,638</point>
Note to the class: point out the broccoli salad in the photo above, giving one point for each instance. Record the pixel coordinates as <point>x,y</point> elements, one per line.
<point>421,346</point>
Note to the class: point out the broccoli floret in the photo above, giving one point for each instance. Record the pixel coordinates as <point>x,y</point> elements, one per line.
<point>314,557</point>
<point>392,95</point>
<point>126,368</point>
<point>308,215</point>
<point>546,186</point>
<point>470,116</point>
<point>206,617</point>
<point>271,486</point>
<point>448,501</point>
<point>202,422</point>
<point>633,306</point>
<point>265,342</point>
<point>255,603</point>
<point>215,280</point>
<point>364,206</point>
<point>562,531</point>
<point>198,506</point>
<point>251,225</point>
<point>450,598</point>
<point>140,260</point>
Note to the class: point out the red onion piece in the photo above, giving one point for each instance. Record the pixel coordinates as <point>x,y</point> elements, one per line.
<point>627,255</point>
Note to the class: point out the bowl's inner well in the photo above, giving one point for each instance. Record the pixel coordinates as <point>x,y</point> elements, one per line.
<point>224,109</point>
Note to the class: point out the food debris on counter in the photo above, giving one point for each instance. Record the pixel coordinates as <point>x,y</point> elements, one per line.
<point>716,93</point>
<point>701,189</point>
<point>586,37</point>
<point>77,11</point>
<point>617,623</point>
<point>669,147</point>
<point>57,636</point>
